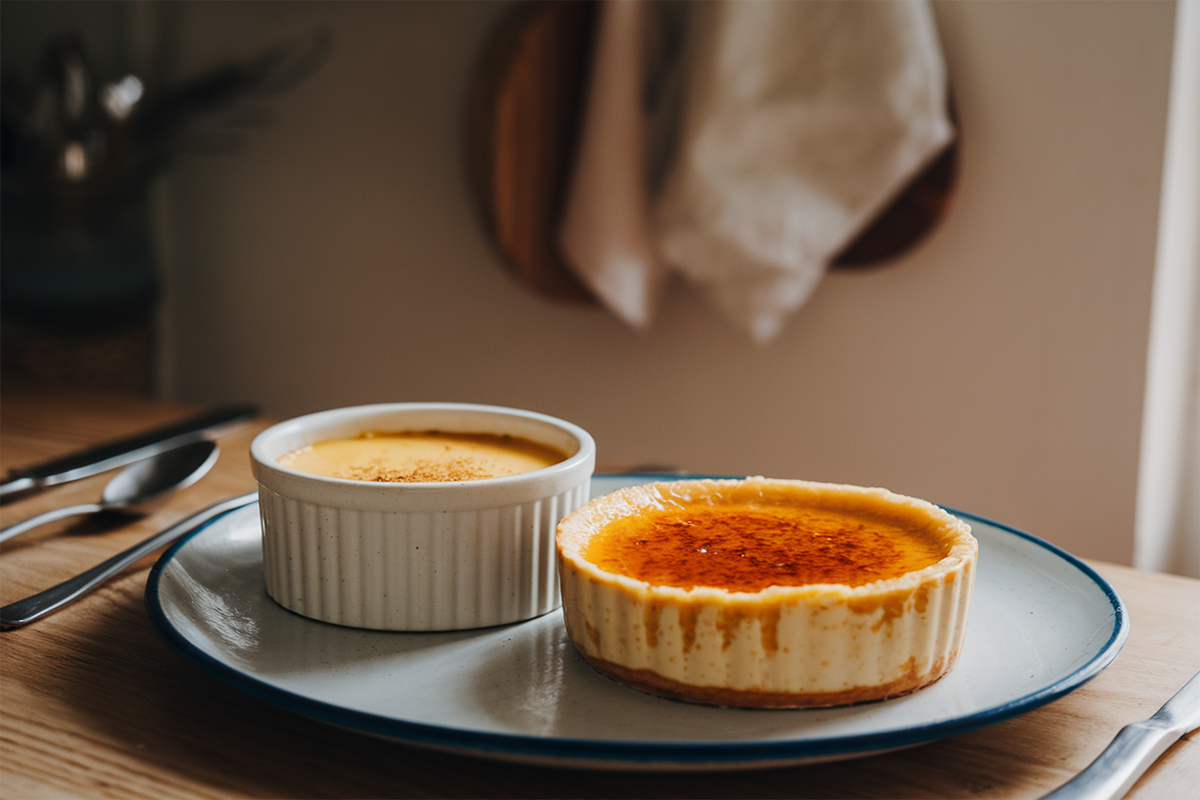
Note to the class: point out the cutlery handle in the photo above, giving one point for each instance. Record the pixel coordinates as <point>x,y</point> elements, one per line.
<point>46,602</point>
<point>49,516</point>
<point>111,455</point>
<point>18,486</point>
<point>1115,770</point>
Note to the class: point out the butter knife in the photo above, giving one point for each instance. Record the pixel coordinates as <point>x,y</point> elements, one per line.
<point>22,612</point>
<point>111,455</point>
<point>1134,749</point>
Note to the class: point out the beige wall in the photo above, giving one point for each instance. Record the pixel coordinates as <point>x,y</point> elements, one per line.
<point>999,369</point>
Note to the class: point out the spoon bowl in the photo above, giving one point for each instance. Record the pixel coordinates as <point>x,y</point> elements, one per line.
<point>145,481</point>
<point>135,488</point>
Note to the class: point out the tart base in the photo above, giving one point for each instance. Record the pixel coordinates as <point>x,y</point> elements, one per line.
<point>651,682</point>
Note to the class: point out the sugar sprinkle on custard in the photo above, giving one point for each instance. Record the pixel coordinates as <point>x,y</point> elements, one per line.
<point>430,456</point>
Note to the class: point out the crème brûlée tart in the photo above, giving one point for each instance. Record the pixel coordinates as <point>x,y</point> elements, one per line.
<point>764,593</point>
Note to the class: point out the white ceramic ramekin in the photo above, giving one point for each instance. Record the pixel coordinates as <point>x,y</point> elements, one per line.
<point>417,556</point>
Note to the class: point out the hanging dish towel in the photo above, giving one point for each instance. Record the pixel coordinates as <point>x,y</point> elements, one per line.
<point>798,122</point>
<point>606,228</point>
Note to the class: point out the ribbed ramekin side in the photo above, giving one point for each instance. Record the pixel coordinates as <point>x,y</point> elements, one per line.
<point>274,563</point>
<point>414,570</point>
<point>376,549</point>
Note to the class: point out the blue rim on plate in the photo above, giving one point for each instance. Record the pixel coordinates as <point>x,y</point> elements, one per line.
<point>655,754</point>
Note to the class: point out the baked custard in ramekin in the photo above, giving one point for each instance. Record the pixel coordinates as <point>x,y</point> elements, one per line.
<point>398,544</point>
<point>766,593</point>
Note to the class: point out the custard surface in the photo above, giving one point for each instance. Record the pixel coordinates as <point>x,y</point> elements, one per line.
<point>746,547</point>
<point>422,457</point>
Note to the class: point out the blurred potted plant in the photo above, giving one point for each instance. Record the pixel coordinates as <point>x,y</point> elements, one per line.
<point>78,280</point>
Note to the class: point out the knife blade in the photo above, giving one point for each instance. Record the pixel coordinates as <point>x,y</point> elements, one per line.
<point>110,455</point>
<point>1134,749</point>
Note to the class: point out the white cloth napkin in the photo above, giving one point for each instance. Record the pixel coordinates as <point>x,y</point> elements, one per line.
<point>799,121</point>
<point>605,233</point>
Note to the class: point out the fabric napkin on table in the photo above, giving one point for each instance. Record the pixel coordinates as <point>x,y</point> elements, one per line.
<point>799,121</point>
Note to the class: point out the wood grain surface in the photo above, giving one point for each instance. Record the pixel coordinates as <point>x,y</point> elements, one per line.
<point>93,704</point>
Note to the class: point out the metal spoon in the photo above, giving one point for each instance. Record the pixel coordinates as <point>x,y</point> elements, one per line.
<point>135,486</point>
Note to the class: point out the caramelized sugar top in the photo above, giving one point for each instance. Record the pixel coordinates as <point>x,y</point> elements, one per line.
<point>746,547</point>
<point>423,456</point>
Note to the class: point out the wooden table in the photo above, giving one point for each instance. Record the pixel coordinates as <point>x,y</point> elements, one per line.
<point>94,704</point>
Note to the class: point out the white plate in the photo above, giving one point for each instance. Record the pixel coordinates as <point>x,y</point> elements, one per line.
<point>1042,624</point>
